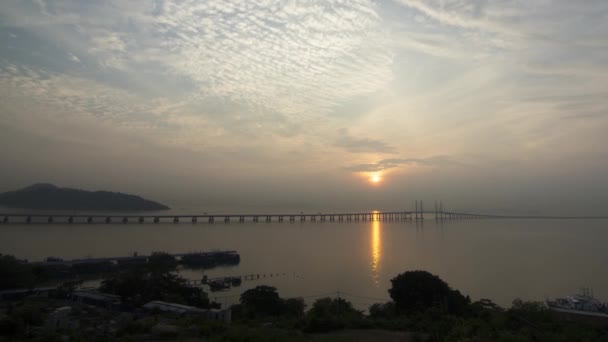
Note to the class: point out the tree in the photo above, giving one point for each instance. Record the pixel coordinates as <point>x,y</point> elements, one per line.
<point>139,287</point>
<point>262,300</point>
<point>294,307</point>
<point>15,274</point>
<point>333,307</point>
<point>161,262</point>
<point>382,310</point>
<point>329,314</point>
<point>420,290</point>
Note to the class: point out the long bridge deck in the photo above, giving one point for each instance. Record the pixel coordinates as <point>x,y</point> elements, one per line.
<point>212,218</point>
<point>439,215</point>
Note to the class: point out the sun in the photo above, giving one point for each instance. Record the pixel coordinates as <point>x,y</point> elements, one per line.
<point>375,179</point>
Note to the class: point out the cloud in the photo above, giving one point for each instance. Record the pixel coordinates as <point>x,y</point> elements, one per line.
<point>73,57</point>
<point>273,67</point>
<point>363,145</point>
<point>386,164</point>
<point>454,17</point>
<point>302,60</point>
<point>74,98</point>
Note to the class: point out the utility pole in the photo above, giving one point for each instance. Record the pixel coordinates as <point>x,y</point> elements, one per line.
<point>421,211</point>
<point>436,216</point>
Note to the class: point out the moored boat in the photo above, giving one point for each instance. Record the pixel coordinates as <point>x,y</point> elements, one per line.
<point>583,303</point>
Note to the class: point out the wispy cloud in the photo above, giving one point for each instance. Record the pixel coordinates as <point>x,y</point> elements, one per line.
<point>73,57</point>
<point>450,12</point>
<point>386,164</point>
<point>278,86</point>
<point>293,59</point>
<point>276,66</point>
<point>362,145</point>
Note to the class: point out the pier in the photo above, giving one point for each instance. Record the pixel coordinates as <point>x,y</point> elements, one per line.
<point>136,258</point>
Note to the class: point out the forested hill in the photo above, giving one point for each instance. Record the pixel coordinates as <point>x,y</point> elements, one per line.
<point>50,197</point>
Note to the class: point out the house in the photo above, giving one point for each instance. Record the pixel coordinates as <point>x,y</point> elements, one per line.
<point>60,319</point>
<point>22,293</point>
<point>212,314</point>
<point>106,300</point>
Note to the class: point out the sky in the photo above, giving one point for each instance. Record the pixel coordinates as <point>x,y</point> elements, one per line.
<point>487,105</point>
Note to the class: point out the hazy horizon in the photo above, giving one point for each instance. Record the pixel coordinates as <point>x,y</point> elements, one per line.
<point>490,106</point>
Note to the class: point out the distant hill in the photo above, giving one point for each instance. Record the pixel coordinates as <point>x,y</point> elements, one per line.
<point>50,197</point>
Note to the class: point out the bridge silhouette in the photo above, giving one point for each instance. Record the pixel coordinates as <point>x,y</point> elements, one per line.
<point>418,214</point>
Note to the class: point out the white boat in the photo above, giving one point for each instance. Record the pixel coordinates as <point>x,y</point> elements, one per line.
<point>583,304</point>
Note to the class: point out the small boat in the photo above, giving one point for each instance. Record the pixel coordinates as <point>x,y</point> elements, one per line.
<point>219,285</point>
<point>235,281</point>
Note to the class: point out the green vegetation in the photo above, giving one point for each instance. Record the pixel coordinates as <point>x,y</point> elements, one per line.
<point>419,290</point>
<point>49,197</point>
<point>19,274</point>
<point>423,308</point>
<point>16,274</point>
<point>154,281</point>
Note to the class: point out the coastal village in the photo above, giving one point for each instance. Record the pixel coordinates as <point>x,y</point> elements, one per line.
<point>67,306</point>
<point>177,308</point>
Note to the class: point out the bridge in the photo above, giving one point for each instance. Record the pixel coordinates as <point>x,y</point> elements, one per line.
<point>418,214</point>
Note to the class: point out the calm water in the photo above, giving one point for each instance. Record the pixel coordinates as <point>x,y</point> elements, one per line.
<point>497,259</point>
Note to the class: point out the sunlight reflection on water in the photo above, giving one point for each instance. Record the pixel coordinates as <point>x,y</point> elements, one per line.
<point>376,251</point>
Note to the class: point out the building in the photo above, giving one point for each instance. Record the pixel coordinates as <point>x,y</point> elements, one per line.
<point>60,319</point>
<point>212,314</point>
<point>106,300</point>
<point>22,293</point>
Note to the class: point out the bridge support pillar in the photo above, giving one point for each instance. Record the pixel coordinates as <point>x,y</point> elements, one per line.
<point>156,219</point>
<point>108,219</point>
<point>141,220</point>
<point>70,219</point>
<point>176,219</point>
<point>194,219</point>
<point>125,220</point>
<point>51,219</point>
<point>28,219</point>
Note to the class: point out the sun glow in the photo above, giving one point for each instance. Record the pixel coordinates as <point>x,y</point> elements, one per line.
<point>375,178</point>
